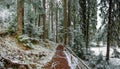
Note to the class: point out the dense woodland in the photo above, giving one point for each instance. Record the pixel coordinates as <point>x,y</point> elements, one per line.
<point>76,24</point>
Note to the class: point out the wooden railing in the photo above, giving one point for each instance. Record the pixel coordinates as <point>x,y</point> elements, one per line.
<point>80,62</point>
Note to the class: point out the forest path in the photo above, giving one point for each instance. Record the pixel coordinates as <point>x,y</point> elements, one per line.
<point>59,60</point>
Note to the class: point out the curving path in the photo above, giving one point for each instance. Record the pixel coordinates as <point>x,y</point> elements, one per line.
<point>59,60</point>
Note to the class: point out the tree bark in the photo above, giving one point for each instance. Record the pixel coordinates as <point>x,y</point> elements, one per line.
<point>20,16</point>
<point>87,27</point>
<point>57,22</point>
<point>35,9</point>
<point>69,22</point>
<point>39,20</point>
<point>83,9</point>
<point>108,31</point>
<point>44,20</point>
<point>52,16</point>
<point>65,21</point>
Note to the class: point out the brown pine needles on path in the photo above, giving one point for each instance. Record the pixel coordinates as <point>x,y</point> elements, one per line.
<point>59,60</point>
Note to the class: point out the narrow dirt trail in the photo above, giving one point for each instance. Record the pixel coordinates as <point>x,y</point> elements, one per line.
<point>59,60</point>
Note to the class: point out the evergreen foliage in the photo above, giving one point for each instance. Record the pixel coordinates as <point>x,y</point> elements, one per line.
<point>70,22</point>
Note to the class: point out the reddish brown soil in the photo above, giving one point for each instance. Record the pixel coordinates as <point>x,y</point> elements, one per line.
<point>59,60</point>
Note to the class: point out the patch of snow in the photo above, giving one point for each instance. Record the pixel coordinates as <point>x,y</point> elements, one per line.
<point>118,49</point>
<point>9,47</point>
<point>98,50</point>
<point>4,13</point>
<point>72,61</point>
<point>115,61</point>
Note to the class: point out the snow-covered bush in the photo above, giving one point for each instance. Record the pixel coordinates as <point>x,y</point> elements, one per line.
<point>116,53</point>
<point>12,24</point>
<point>33,30</point>
<point>79,45</point>
<point>98,62</point>
<point>25,40</point>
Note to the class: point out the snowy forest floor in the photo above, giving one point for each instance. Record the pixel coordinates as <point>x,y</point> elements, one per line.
<point>44,55</point>
<point>100,53</point>
<point>15,52</point>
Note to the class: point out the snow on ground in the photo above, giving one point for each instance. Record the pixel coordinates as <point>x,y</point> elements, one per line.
<point>9,47</point>
<point>118,49</point>
<point>98,50</point>
<point>114,62</point>
<point>71,60</point>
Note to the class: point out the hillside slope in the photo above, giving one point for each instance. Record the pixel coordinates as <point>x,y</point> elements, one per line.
<point>17,54</point>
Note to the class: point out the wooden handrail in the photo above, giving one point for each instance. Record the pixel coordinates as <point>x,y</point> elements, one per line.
<point>80,60</point>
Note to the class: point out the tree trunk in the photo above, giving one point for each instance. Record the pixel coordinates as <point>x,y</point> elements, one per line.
<point>65,21</point>
<point>44,20</point>
<point>49,19</point>
<point>35,9</point>
<point>83,6</point>
<point>57,22</point>
<point>87,27</point>
<point>52,16</point>
<point>69,22</point>
<point>108,31</point>
<point>39,20</point>
<point>20,16</point>
<point>84,26</point>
